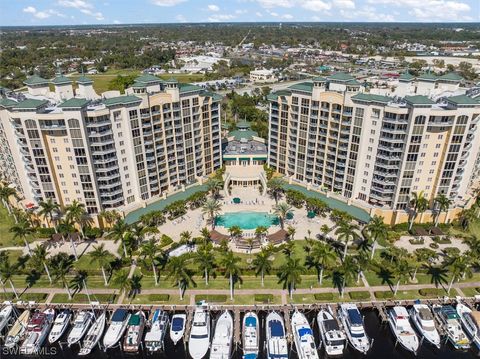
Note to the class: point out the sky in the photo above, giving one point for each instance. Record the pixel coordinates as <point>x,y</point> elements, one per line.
<point>79,12</point>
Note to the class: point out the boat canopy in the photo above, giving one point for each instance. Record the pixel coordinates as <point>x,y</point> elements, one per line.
<point>355,317</point>
<point>156,314</point>
<point>276,328</point>
<point>134,320</point>
<point>250,356</point>
<point>119,315</point>
<point>450,312</point>
<point>304,331</point>
<point>330,324</point>
<point>251,322</point>
<point>425,314</point>
<point>177,324</point>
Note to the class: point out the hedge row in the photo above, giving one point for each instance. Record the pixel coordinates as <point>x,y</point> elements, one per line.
<point>212,298</point>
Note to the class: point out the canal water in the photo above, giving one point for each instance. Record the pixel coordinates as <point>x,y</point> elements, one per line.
<point>383,347</point>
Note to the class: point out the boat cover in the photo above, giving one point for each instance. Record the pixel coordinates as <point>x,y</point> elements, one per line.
<point>425,314</point>
<point>177,324</point>
<point>355,317</point>
<point>276,328</point>
<point>251,322</point>
<point>119,315</point>
<point>330,324</point>
<point>250,356</point>
<point>304,331</point>
<point>134,320</point>
<point>450,312</point>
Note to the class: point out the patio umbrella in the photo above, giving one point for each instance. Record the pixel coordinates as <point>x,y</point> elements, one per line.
<point>311,214</point>
<point>236,200</point>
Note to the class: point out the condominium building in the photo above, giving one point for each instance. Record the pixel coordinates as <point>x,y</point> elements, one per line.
<point>378,147</point>
<point>108,151</point>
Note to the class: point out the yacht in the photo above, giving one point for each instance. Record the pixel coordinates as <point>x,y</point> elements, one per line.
<point>401,328</point>
<point>37,331</point>
<point>59,326</point>
<point>449,319</point>
<point>177,327</point>
<point>470,320</point>
<point>303,337</point>
<point>16,332</point>
<point>199,334</point>
<point>94,334</point>
<point>154,339</point>
<point>352,322</point>
<point>135,328</point>
<point>5,315</point>
<point>81,323</point>
<point>222,339</point>
<point>117,327</point>
<point>333,338</point>
<point>423,320</point>
<point>251,335</point>
<point>275,337</point>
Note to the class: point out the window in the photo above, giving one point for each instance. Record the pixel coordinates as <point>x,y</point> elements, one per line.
<point>438,145</point>
<point>54,149</point>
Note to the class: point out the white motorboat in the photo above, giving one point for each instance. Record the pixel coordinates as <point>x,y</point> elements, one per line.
<point>449,319</point>
<point>5,315</point>
<point>94,334</point>
<point>423,320</point>
<point>333,338</point>
<point>303,337</point>
<point>470,322</point>
<point>222,339</point>
<point>117,327</point>
<point>17,331</point>
<point>135,328</point>
<point>277,347</point>
<point>199,340</point>
<point>37,331</point>
<point>60,325</point>
<point>401,328</point>
<point>177,327</point>
<point>154,339</point>
<point>251,336</point>
<point>81,323</point>
<point>352,322</point>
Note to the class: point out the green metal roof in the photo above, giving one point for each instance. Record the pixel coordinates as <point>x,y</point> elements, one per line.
<point>30,104</point>
<point>74,103</point>
<point>319,79</point>
<point>356,212</point>
<point>189,88</point>
<point>303,86</point>
<point>6,102</point>
<point>137,84</point>
<point>273,96</point>
<point>427,76</point>
<point>35,80</point>
<point>243,124</point>
<point>340,76</point>
<point>463,100</point>
<point>238,135</point>
<point>84,80</point>
<point>406,77</point>
<point>353,83</point>
<point>214,96</point>
<point>171,80</point>
<point>159,205</point>
<point>419,100</point>
<point>60,80</point>
<point>451,76</point>
<point>368,97</point>
<point>147,78</point>
<point>121,100</point>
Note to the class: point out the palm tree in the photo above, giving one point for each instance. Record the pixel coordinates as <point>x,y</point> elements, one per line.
<point>150,250</point>
<point>324,229</point>
<point>348,269</point>
<point>110,217</point>
<point>47,209</point>
<point>291,232</point>
<point>118,232</point>
<point>211,208</point>
<point>7,271</point>
<point>101,256</point>
<point>75,212</point>
<point>281,210</point>
<point>466,217</point>
<point>214,185</point>
<point>320,257</point>
<point>134,285</point>
<point>290,274</point>
<point>120,279</point>
<point>443,204</point>
<point>185,237</point>
<point>262,264</point>
<point>235,231</point>
<point>61,265</point>
<point>418,204</point>
<point>78,282</point>
<point>230,266</point>
<point>205,233</point>
<point>40,257</point>
<point>261,231</point>
<point>401,270</point>
<point>178,272</point>
<point>275,186</point>
<point>22,230</point>
<point>459,267</point>
<point>438,274</point>
<point>377,230</point>
<point>205,260</point>
<point>5,193</point>
<point>345,232</point>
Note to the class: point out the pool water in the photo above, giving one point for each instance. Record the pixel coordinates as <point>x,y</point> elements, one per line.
<point>246,220</point>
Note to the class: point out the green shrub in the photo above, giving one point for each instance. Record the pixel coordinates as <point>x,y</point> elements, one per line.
<point>45,232</point>
<point>158,297</point>
<point>359,295</point>
<point>384,295</point>
<point>429,292</point>
<point>93,232</point>
<point>263,298</point>
<point>417,241</point>
<point>325,297</point>
<point>165,241</point>
<point>440,240</point>
<point>434,245</point>
<point>212,298</point>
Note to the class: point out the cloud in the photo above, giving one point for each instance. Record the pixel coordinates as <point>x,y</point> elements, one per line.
<point>367,13</point>
<point>213,7</point>
<point>220,17</point>
<point>167,2</point>
<point>83,6</point>
<point>287,17</point>
<point>344,4</point>
<point>316,5</point>
<point>240,12</point>
<point>268,4</point>
<point>259,14</point>
<point>42,14</point>
<point>116,22</point>
<point>30,9</point>
<point>180,18</point>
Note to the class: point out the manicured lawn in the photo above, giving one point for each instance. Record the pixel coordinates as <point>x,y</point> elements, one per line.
<point>315,298</point>
<point>83,298</point>
<point>471,291</point>
<point>36,297</point>
<point>144,299</point>
<point>413,294</point>
<point>21,281</point>
<point>6,221</point>
<point>375,279</point>
<point>184,78</point>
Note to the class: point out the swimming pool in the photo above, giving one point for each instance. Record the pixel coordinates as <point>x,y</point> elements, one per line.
<point>246,220</point>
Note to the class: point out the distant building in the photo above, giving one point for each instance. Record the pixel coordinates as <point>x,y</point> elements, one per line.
<point>202,63</point>
<point>262,75</point>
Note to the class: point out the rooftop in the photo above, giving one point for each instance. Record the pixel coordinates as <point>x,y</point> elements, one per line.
<point>6,102</point>
<point>419,100</point>
<point>303,86</point>
<point>451,76</point>
<point>84,80</point>
<point>35,80</point>
<point>368,97</point>
<point>463,100</point>
<point>242,134</point>
<point>340,76</point>
<point>30,104</point>
<point>74,103</point>
<point>121,100</point>
<point>251,147</point>
<point>147,78</point>
<point>189,87</point>
<point>60,80</point>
